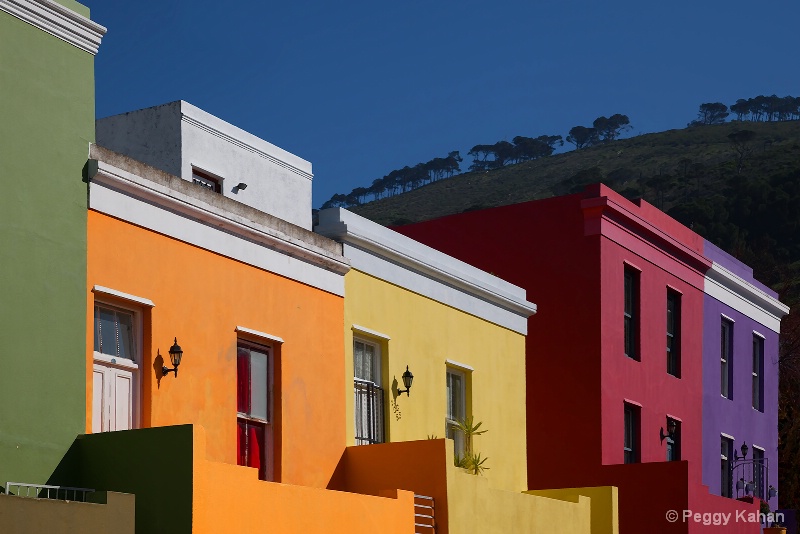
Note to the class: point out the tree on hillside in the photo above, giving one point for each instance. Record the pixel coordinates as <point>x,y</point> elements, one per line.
<point>743,146</point>
<point>581,136</point>
<point>608,129</point>
<point>711,113</point>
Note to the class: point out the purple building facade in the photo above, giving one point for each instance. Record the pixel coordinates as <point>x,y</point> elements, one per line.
<point>741,323</point>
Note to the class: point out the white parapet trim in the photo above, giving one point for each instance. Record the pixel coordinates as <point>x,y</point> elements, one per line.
<point>187,217</point>
<point>245,140</point>
<point>744,297</point>
<point>395,258</point>
<point>59,21</point>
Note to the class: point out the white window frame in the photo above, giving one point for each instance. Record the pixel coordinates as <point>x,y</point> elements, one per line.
<point>134,366</point>
<point>378,382</point>
<point>450,422</point>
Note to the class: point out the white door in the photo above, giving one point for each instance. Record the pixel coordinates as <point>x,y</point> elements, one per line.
<point>113,397</point>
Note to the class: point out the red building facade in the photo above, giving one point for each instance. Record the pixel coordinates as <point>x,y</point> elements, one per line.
<point>614,357</point>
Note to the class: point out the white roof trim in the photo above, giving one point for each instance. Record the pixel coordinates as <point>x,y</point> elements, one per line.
<point>358,231</point>
<point>190,207</point>
<point>370,332</point>
<point>124,296</point>
<point>459,365</point>
<point>256,333</point>
<point>236,136</point>
<point>744,297</point>
<point>59,21</point>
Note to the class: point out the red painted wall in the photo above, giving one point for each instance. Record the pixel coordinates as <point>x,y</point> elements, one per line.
<point>569,253</point>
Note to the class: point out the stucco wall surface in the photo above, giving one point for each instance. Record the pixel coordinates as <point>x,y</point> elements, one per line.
<point>200,298</point>
<point>115,515</point>
<point>424,335</point>
<point>47,110</point>
<point>177,137</point>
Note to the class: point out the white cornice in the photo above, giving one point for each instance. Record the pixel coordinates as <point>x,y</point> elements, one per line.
<point>396,248</point>
<point>741,295</point>
<point>59,21</point>
<point>193,208</point>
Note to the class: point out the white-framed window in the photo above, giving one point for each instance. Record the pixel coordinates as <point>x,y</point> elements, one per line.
<point>254,407</point>
<point>631,312</point>
<point>726,357</point>
<point>726,465</point>
<point>758,372</point>
<point>206,180</point>
<point>456,407</point>
<point>673,333</point>
<point>117,360</point>
<point>632,441</point>
<point>368,392</point>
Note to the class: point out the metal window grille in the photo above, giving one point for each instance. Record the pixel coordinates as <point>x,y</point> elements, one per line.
<point>369,412</point>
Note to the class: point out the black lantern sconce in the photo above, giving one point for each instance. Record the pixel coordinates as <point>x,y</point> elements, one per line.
<point>408,378</point>
<point>672,426</point>
<point>175,355</point>
<point>744,450</point>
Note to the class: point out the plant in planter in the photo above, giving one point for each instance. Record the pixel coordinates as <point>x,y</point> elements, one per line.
<point>471,461</point>
<point>775,527</point>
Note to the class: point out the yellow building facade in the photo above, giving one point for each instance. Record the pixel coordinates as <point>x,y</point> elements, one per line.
<point>461,333</point>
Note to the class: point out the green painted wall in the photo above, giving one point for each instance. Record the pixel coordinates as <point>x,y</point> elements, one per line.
<point>154,464</point>
<point>46,125</point>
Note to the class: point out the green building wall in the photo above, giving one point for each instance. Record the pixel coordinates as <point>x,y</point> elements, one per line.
<point>46,125</point>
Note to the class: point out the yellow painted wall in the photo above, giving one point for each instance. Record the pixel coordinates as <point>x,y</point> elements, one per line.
<point>605,509</point>
<point>424,333</point>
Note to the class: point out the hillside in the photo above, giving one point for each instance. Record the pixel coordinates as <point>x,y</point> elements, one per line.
<point>661,167</point>
<point>747,202</point>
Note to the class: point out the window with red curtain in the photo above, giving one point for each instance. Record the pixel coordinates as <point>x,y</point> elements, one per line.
<point>253,370</point>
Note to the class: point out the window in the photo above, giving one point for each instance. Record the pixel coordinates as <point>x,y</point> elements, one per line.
<point>725,357</point>
<point>632,421</point>
<point>673,440</point>
<point>726,488</point>
<point>758,372</point>
<point>456,407</point>
<point>673,333</point>
<point>759,473</point>
<point>254,381</point>
<point>369,395</point>
<point>206,180</point>
<point>631,313</point>
<point>115,378</point>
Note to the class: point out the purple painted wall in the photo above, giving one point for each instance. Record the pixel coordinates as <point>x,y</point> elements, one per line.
<point>737,417</point>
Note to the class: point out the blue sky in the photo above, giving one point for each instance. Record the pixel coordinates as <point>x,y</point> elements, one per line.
<point>361,88</point>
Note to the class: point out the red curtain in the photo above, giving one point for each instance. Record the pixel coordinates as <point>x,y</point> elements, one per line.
<point>250,446</point>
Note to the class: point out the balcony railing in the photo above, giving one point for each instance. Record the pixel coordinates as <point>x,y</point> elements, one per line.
<point>369,412</point>
<point>750,477</point>
<point>41,491</point>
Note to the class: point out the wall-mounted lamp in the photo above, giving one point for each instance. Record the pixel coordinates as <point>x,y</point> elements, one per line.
<point>241,186</point>
<point>408,378</point>
<point>672,426</point>
<point>175,355</point>
<point>744,450</point>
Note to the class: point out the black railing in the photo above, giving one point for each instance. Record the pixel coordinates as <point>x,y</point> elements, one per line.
<point>369,412</point>
<point>750,477</point>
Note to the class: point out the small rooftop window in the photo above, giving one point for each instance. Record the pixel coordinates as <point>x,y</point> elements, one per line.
<point>206,180</point>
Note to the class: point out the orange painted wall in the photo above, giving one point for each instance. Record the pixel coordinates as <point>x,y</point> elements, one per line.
<point>201,297</point>
<point>230,498</point>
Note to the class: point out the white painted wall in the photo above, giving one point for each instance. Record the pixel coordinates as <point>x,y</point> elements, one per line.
<point>178,136</point>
